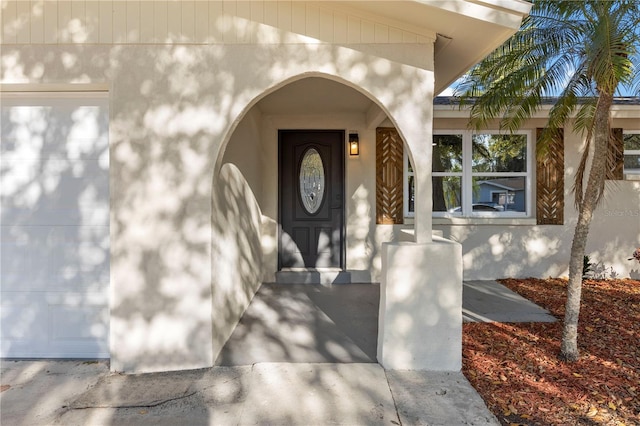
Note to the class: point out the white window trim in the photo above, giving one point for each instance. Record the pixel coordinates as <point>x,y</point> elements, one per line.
<point>633,174</point>
<point>467,177</point>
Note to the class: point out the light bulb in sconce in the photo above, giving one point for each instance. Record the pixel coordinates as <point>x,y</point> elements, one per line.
<point>354,143</point>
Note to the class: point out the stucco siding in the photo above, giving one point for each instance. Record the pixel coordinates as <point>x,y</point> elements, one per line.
<point>169,121</point>
<point>236,254</point>
<point>245,141</point>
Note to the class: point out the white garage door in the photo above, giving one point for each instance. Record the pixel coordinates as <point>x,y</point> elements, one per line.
<point>54,206</point>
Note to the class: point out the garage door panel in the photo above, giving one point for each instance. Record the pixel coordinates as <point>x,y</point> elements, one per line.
<point>55,193</point>
<point>27,258</point>
<point>50,324</point>
<point>54,206</point>
<point>78,325</point>
<point>74,125</point>
<point>23,321</point>
<point>55,257</point>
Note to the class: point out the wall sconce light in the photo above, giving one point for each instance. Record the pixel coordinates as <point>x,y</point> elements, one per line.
<point>354,144</point>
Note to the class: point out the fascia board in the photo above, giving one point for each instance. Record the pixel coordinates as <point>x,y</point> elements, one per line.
<point>617,111</point>
<point>507,13</point>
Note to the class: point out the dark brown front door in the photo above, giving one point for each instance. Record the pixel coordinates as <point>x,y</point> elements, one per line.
<point>311,199</point>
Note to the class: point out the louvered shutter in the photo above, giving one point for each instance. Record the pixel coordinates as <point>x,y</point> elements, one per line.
<point>389,176</point>
<point>550,181</point>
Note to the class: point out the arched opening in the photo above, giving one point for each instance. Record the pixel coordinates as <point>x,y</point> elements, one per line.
<point>306,104</point>
<point>315,323</point>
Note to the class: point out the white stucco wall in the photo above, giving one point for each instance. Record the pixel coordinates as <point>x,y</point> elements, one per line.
<point>236,252</point>
<point>245,150</point>
<point>169,121</point>
<point>188,120</point>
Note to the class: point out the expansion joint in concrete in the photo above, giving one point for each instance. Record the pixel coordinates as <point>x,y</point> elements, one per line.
<point>393,398</point>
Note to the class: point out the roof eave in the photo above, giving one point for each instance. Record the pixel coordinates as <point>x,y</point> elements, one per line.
<point>471,29</point>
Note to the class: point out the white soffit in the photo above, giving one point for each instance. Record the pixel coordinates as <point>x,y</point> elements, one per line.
<point>468,30</point>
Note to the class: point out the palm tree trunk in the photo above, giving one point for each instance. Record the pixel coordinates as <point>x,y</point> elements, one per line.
<point>595,184</point>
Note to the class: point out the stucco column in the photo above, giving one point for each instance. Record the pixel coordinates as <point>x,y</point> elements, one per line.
<point>423,201</point>
<point>414,116</point>
<point>420,317</point>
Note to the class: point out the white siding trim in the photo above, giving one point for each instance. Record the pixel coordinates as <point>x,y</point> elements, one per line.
<point>76,89</point>
<point>195,22</point>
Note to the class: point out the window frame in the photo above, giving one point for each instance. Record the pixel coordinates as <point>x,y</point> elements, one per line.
<point>405,183</point>
<point>468,174</point>
<point>635,173</point>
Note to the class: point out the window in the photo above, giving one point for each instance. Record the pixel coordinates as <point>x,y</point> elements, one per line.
<point>409,187</point>
<point>447,172</point>
<point>477,175</point>
<point>631,152</point>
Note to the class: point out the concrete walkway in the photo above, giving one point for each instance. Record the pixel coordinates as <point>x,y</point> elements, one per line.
<point>302,355</point>
<point>75,393</point>
<point>489,301</point>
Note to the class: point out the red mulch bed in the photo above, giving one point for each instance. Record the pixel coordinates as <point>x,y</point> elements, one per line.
<point>516,369</point>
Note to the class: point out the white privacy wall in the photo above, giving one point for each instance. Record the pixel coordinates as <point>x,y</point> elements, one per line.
<point>54,212</point>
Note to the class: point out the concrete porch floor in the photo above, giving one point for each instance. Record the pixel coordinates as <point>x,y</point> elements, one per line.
<point>307,323</point>
<point>339,324</point>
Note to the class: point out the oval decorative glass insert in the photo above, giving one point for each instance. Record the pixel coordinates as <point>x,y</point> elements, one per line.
<point>312,180</point>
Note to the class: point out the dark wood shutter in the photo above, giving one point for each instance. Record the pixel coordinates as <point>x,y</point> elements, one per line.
<point>389,176</point>
<point>615,158</point>
<point>550,180</point>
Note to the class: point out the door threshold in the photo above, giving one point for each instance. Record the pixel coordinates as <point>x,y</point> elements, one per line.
<point>330,269</point>
<point>322,276</point>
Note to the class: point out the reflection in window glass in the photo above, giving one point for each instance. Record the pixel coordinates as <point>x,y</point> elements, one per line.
<point>632,153</point>
<point>412,194</point>
<point>499,153</point>
<point>631,162</point>
<point>499,194</point>
<point>447,194</point>
<point>447,153</point>
<point>632,141</point>
<point>477,175</point>
<point>447,172</point>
